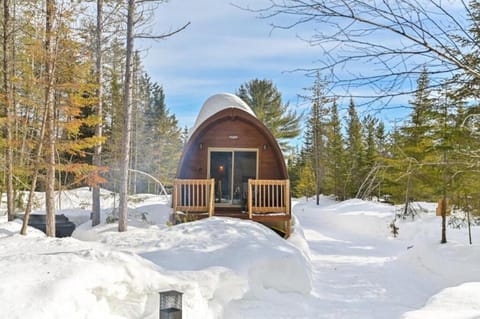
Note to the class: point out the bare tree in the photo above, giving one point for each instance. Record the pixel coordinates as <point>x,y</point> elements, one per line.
<point>50,118</point>
<point>394,38</point>
<point>127,121</point>
<point>8,104</point>
<point>127,109</point>
<point>97,151</point>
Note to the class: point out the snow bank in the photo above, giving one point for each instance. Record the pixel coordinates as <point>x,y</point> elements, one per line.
<point>118,275</point>
<point>65,278</point>
<point>340,262</point>
<point>248,248</point>
<point>460,302</point>
<point>356,217</point>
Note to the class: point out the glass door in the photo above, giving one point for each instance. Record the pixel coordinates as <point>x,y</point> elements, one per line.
<point>221,171</point>
<point>231,170</point>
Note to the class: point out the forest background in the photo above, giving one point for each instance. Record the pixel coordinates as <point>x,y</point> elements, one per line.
<point>72,88</point>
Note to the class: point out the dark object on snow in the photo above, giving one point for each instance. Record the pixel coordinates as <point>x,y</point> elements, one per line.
<point>63,226</point>
<point>171,305</point>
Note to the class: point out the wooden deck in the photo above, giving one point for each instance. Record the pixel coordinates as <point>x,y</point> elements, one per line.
<point>268,203</point>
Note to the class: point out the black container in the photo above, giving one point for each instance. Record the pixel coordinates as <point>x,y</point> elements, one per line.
<point>63,226</point>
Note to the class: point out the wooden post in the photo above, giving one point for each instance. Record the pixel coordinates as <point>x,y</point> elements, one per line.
<point>211,198</point>
<point>250,190</point>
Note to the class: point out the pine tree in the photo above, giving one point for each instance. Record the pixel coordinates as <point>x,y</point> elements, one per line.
<point>162,135</point>
<point>266,102</point>
<point>412,143</point>
<point>316,133</point>
<point>293,165</point>
<point>335,154</point>
<point>355,153</point>
<point>416,137</point>
<point>381,139</point>
<point>306,183</point>
<point>372,167</point>
<point>371,151</point>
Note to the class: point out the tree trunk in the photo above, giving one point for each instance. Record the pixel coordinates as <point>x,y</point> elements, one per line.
<point>99,112</point>
<point>8,100</point>
<point>50,106</point>
<point>444,219</point>
<point>127,122</point>
<point>317,163</point>
<point>444,174</point>
<point>33,186</point>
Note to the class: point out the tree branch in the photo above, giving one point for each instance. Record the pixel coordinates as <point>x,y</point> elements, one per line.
<point>162,36</point>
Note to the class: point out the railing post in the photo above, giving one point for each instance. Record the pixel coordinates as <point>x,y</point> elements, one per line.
<point>174,200</point>
<point>287,196</point>
<point>250,191</point>
<point>211,193</point>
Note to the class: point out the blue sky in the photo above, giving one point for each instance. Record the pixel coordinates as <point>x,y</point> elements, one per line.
<point>222,48</point>
<point>226,46</point>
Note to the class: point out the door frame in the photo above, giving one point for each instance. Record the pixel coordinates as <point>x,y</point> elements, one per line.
<point>232,168</point>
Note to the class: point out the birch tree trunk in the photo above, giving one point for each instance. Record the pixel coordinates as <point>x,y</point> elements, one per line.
<point>127,122</point>
<point>99,112</point>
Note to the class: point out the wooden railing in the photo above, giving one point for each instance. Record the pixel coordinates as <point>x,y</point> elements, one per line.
<point>193,195</point>
<point>265,196</point>
<point>268,196</point>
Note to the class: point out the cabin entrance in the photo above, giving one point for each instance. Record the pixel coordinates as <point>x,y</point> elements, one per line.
<point>231,169</point>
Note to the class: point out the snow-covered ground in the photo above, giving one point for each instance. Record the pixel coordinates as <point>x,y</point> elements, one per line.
<point>341,262</point>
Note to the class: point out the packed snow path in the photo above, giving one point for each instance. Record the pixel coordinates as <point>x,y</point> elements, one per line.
<point>358,267</point>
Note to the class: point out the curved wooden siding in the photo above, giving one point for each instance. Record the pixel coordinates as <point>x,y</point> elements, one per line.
<point>217,132</point>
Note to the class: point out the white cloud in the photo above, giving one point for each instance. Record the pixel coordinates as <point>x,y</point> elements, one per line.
<point>224,47</point>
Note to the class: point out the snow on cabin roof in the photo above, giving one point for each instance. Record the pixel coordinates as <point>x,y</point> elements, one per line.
<point>217,103</point>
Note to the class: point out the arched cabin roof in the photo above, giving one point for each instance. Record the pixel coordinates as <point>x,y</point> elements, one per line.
<point>223,107</point>
<point>217,103</point>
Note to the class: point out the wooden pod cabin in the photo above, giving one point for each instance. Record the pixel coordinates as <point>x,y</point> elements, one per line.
<point>232,166</point>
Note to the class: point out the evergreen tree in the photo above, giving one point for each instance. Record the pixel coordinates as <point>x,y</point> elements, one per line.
<point>412,143</point>
<point>316,133</point>
<point>372,167</point>
<point>334,155</point>
<point>416,133</point>
<point>371,151</point>
<point>266,102</point>
<point>294,163</point>
<point>162,135</point>
<point>381,139</point>
<point>306,181</point>
<point>355,153</point>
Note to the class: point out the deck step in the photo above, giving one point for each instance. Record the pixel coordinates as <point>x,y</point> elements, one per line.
<point>230,213</point>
